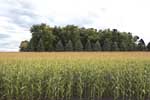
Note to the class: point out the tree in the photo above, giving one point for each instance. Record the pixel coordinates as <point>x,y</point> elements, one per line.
<point>78,46</point>
<point>69,46</point>
<point>131,47</point>
<point>69,32</point>
<point>30,45</point>
<point>75,38</point>
<point>44,32</point>
<point>148,46</point>
<point>48,41</point>
<point>115,35</point>
<point>141,45</point>
<point>97,46</point>
<point>123,46</point>
<point>88,46</point>
<point>24,45</point>
<point>40,46</point>
<point>107,45</point>
<point>114,46</point>
<point>59,46</point>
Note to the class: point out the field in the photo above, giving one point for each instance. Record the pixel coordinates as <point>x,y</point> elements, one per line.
<point>75,76</point>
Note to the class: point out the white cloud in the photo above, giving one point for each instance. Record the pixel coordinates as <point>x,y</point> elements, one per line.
<point>17,16</point>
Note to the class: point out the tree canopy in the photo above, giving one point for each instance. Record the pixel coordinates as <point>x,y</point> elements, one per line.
<point>74,38</point>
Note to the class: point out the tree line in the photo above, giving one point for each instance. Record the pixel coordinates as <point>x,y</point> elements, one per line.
<point>74,38</point>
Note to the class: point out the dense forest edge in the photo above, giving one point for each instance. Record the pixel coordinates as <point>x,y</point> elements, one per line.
<point>74,38</point>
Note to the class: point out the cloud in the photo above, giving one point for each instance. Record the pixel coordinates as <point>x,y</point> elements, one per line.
<point>20,14</point>
<point>3,36</point>
<point>16,17</point>
<point>5,45</point>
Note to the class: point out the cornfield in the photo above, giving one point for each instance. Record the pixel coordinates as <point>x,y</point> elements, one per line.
<point>75,76</point>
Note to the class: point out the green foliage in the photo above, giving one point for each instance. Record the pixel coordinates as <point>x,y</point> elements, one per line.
<point>141,45</point>
<point>78,46</point>
<point>88,46</point>
<point>97,46</point>
<point>43,32</point>
<point>123,46</point>
<point>107,45</point>
<point>131,47</point>
<point>123,41</point>
<point>30,46</point>
<point>115,46</point>
<point>24,45</point>
<point>69,46</point>
<point>148,46</point>
<point>59,46</point>
<point>40,46</point>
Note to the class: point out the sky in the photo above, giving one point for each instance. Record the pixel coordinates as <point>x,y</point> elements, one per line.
<point>17,16</point>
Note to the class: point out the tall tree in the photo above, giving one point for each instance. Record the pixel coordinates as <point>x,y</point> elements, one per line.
<point>69,32</point>
<point>24,45</point>
<point>107,45</point>
<point>97,46</point>
<point>44,32</point>
<point>115,35</point>
<point>69,46</point>
<point>131,47</point>
<point>148,46</point>
<point>78,46</point>
<point>114,46</point>
<point>123,46</point>
<point>40,46</point>
<point>141,45</point>
<point>30,45</point>
<point>59,46</point>
<point>88,46</point>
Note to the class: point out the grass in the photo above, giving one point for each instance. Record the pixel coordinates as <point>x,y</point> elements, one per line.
<point>75,75</point>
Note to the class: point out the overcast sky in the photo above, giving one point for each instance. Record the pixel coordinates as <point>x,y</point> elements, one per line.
<point>17,16</point>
